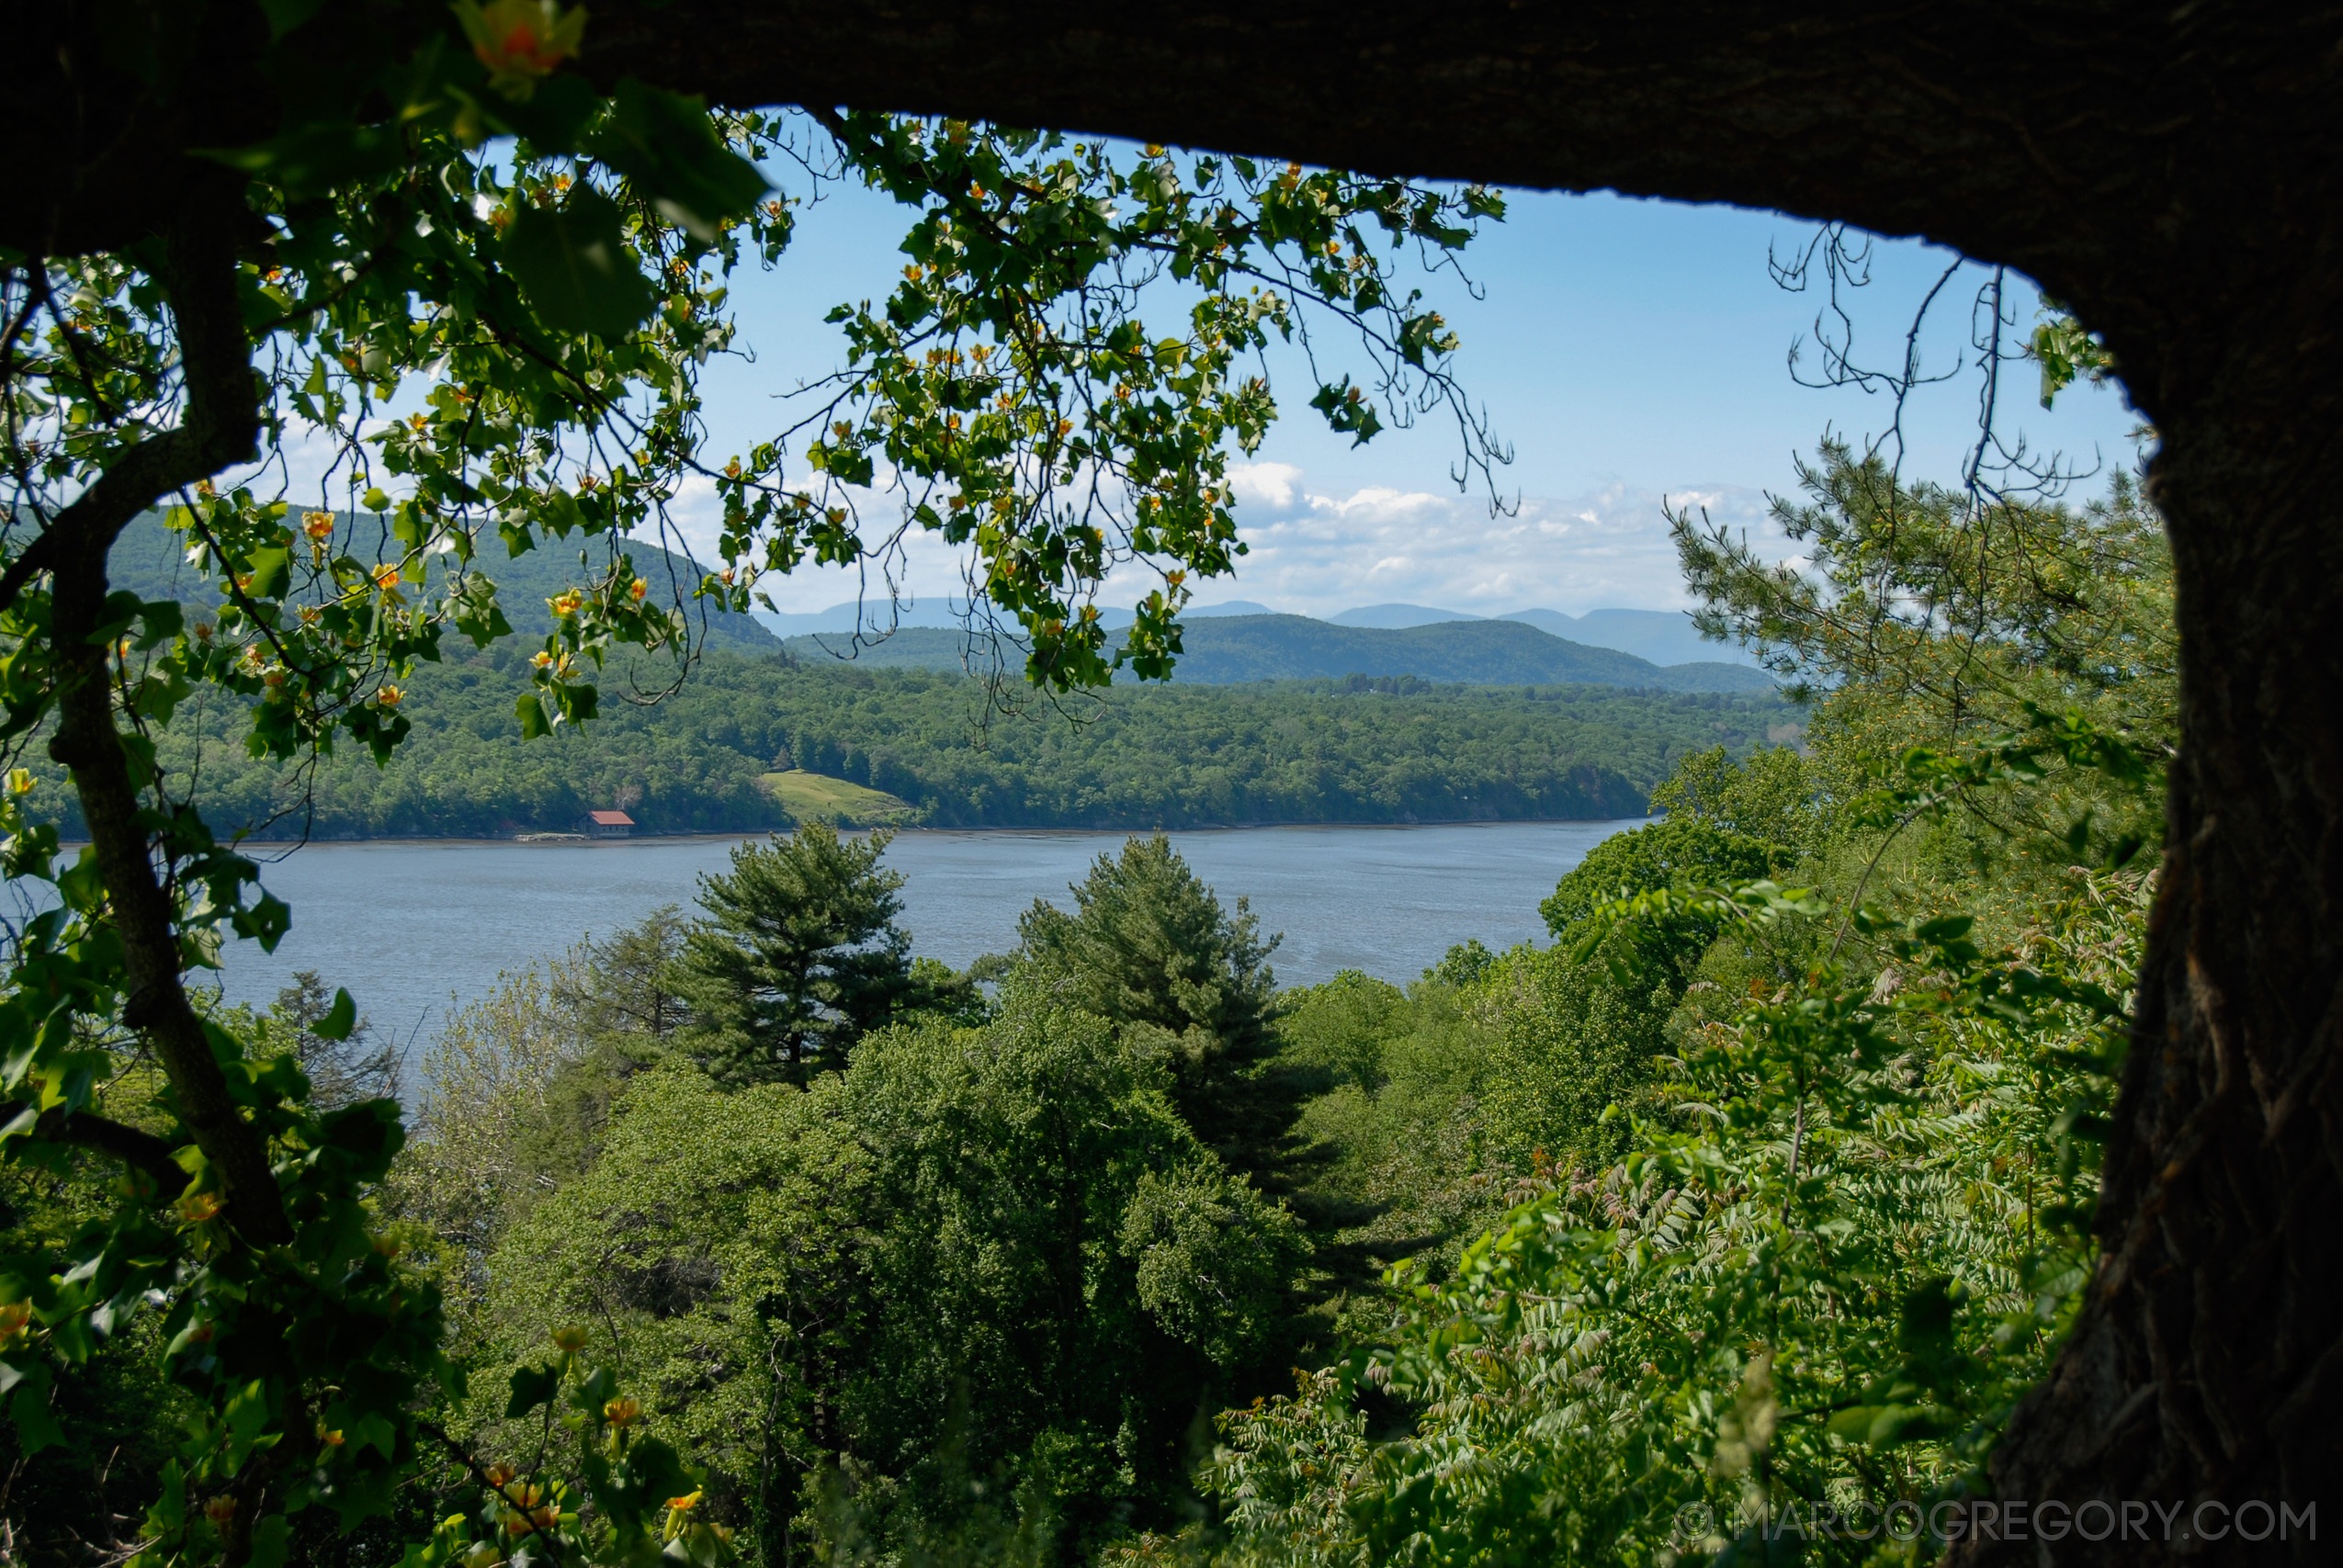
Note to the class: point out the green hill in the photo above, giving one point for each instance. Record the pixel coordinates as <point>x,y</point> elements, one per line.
<point>147,561</point>
<point>748,742</point>
<point>1228,650</point>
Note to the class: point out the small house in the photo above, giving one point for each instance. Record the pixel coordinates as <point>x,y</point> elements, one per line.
<point>609,825</point>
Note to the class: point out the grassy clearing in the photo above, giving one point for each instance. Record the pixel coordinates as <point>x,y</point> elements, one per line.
<point>812,797</point>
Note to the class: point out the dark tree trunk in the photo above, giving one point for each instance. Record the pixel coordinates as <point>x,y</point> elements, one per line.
<point>2208,1361</point>
<point>2172,173</point>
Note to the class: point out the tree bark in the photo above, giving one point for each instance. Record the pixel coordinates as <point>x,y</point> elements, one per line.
<point>197,268</point>
<point>2172,173</point>
<point>2209,1356</point>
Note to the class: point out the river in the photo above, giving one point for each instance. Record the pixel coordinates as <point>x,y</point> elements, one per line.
<point>415,928</point>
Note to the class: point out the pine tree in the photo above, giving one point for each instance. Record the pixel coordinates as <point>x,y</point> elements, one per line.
<point>799,956</point>
<point>1149,947</point>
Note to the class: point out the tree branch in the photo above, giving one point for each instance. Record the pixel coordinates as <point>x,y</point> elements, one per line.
<point>219,427</point>
<point>141,1151</point>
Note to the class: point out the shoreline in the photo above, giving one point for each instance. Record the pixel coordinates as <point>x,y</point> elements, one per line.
<point>583,842</point>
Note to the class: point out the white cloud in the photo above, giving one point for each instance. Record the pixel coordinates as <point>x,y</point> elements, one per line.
<point>1318,554</point>
<point>1270,486</point>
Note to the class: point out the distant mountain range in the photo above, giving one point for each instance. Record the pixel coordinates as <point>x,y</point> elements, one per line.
<point>1664,637</point>
<point>1227,649</point>
<point>1661,637</point>
<point>1227,643</point>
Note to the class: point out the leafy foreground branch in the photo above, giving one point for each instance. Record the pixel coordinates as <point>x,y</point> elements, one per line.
<point>466,297</point>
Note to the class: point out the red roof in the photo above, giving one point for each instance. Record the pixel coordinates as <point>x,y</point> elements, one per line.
<point>610,819</point>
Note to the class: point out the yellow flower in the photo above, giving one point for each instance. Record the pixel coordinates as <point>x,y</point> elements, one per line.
<point>637,589</point>
<point>570,1341</point>
<point>16,1315</point>
<point>501,1476</point>
<point>317,525</point>
<point>197,1208</point>
<point>389,696</point>
<point>567,604</point>
<point>678,1511</point>
<point>329,1437</point>
<point>219,1510</point>
<point>622,1412</point>
<point>386,577</point>
<point>20,781</point>
<point>521,40</point>
<point>542,658</point>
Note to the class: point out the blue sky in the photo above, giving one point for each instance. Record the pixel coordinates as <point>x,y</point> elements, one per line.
<point>1627,350</point>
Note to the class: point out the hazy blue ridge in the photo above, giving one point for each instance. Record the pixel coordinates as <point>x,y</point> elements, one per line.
<point>1224,650</point>
<point>1398,617</point>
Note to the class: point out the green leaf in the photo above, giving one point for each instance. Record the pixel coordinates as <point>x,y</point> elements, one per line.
<point>573,265</point>
<point>247,1420</point>
<point>284,16</point>
<point>550,118</point>
<point>35,1428</point>
<point>170,1511</point>
<point>271,1540</point>
<point>532,1386</point>
<point>339,1019</point>
<point>314,158</point>
<point>595,1389</point>
<point>270,570</point>
<point>531,711</point>
<point>663,142</point>
<point>266,922</point>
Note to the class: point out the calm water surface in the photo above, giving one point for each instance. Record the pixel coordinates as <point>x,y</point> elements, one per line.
<point>415,928</point>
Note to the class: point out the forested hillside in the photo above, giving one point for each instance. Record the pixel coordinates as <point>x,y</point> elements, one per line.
<point>1221,650</point>
<point>1357,750</point>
